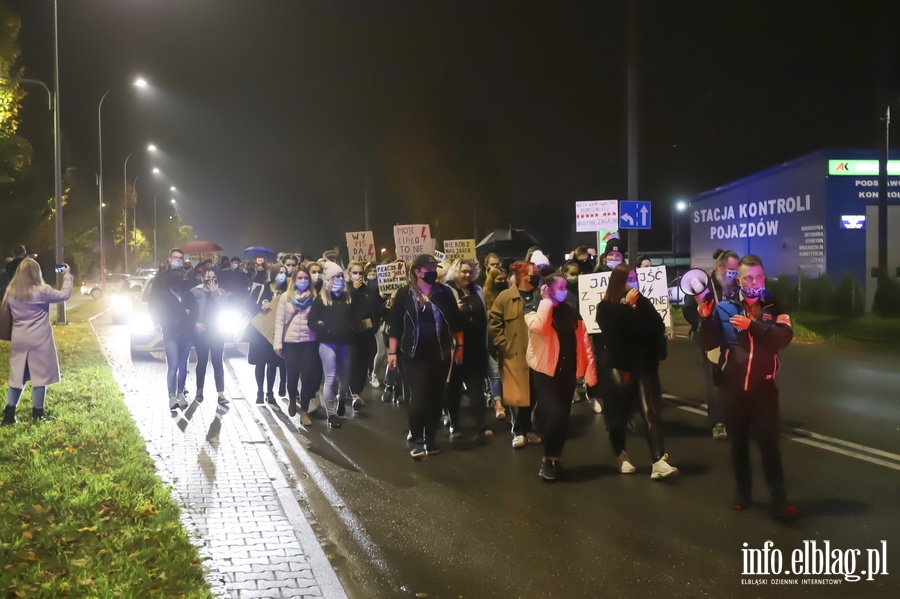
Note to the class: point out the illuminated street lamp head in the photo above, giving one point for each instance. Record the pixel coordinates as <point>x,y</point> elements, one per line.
<point>151,148</point>
<point>172,200</point>
<point>172,188</point>
<point>681,206</point>
<point>155,171</point>
<point>140,82</point>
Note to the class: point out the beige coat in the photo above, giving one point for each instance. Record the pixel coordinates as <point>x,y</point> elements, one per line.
<point>507,322</point>
<point>32,341</point>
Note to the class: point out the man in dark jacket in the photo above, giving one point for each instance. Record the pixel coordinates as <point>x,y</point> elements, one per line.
<point>750,329</point>
<point>10,268</point>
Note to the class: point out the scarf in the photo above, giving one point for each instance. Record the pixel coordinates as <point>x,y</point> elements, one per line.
<point>301,300</point>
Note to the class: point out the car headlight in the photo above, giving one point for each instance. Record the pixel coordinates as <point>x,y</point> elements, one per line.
<point>142,324</point>
<point>228,322</point>
<point>120,303</point>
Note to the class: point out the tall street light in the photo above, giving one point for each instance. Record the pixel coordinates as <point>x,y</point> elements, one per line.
<point>150,148</point>
<point>677,207</point>
<point>57,163</point>
<point>155,246</point>
<point>141,83</point>
<point>99,208</point>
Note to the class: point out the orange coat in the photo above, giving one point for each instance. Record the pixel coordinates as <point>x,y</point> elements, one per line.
<point>543,345</point>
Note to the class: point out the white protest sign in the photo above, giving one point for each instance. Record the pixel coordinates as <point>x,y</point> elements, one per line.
<point>439,256</point>
<point>413,240</point>
<point>596,215</point>
<point>654,287</point>
<point>361,246</point>
<point>460,249</point>
<point>391,277</point>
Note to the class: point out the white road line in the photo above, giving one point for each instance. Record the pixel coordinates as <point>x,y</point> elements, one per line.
<point>818,440</point>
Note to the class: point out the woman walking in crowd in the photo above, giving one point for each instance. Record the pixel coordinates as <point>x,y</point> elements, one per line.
<point>720,287</point>
<point>424,323</point>
<point>334,320</point>
<point>378,362</point>
<point>264,293</point>
<point>507,321</point>
<point>559,353</point>
<point>296,342</point>
<point>174,309</point>
<point>635,338</point>
<point>494,284</point>
<point>208,338</point>
<point>32,349</point>
<point>367,304</point>
<point>315,276</point>
<point>474,368</point>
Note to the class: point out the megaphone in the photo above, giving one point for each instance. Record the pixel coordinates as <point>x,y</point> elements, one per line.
<point>694,281</point>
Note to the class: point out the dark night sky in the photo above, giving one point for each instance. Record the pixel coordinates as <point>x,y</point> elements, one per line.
<point>269,111</point>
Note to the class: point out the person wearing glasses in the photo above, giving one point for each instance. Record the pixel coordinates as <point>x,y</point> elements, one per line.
<point>749,329</point>
<point>208,338</point>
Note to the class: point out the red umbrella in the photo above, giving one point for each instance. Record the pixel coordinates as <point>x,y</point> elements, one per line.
<point>200,247</point>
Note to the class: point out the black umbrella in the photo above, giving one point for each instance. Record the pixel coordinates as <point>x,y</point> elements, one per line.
<point>507,243</point>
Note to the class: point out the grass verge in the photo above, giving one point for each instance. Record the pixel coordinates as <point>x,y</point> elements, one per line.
<point>82,511</point>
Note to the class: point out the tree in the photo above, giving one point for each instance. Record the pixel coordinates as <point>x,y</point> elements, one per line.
<point>15,151</point>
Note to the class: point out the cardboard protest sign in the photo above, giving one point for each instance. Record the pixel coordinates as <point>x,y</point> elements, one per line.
<point>596,215</point>
<point>459,249</point>
<point>361,246</point>
<point>413,240</point>
<point>391,277</point>
<point>654,287</point>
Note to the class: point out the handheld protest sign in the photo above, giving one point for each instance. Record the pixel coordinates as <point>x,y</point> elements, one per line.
<point>413,240</point>
<point>361,246</point>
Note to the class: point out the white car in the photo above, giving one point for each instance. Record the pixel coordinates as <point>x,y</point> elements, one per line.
<point>114,283</point>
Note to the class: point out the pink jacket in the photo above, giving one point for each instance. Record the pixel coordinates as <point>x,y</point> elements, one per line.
<point>543,345</point>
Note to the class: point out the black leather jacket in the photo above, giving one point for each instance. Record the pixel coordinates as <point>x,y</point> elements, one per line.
<point>404,319</point>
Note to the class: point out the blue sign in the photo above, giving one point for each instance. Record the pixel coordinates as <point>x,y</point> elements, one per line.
<point>634,215</point>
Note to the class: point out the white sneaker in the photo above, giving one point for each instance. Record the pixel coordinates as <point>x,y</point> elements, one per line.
<point>182,401</point>
<point>373,382</point>
<point>314,404</point>
<point>625,467</point>
<point>596,406</point>
<point>662,469</point>
<point>519,441</point>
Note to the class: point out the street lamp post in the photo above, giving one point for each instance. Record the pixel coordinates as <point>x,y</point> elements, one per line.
<point>677,207</point>
<point>150,148</point>
<point>155,247</point>
<point>57,163</point>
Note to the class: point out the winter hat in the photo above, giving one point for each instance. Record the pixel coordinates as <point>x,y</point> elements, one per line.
<point>613,245</point>
<point>330,270</point>
<point>539,259</point>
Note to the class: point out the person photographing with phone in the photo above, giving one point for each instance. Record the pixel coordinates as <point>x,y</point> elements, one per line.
<point>32,349</point>
<point>750,329</point>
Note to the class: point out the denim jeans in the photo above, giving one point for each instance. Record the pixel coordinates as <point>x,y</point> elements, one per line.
<point>494,378</point>
<point>336,368</point>
<point>178,348</point>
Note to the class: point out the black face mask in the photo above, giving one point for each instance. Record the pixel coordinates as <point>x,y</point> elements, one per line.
<point>535,280</point>
<point>430,277</point>
<point>260,277</point>
<point>501,286</point>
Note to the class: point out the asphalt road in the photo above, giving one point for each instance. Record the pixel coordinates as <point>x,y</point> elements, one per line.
<point>476,521</point>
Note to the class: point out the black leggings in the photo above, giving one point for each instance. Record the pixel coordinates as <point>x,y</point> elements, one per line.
<point>552,397</point>
<point>210,348</point>
<point>361,360</point>
<point>624,389</point>
<point>268,371</point>
<point>471,373</point>
<point>424,379</point>
<point>304,371</point>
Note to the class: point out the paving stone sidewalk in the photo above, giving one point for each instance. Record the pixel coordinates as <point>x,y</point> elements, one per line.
<point>242,512</point>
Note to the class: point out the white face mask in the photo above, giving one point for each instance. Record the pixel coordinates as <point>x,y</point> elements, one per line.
<point>355,276</point>
<point>315,276</point>
<point>372,277</point>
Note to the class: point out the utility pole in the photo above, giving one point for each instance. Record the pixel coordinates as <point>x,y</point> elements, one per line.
<point>882,199</point>
<point>632,107</point>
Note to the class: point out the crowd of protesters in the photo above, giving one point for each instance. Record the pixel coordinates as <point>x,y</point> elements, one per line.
<point>507,336</point>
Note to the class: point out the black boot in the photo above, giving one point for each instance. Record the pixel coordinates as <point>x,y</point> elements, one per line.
<point>37,415</point>
<point>9,415</point>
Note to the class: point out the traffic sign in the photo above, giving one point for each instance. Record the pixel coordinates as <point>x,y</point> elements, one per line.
<point>634,215</point>
<point>596,215</point>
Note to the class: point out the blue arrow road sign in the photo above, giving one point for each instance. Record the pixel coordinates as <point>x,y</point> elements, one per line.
<point>634,215</point>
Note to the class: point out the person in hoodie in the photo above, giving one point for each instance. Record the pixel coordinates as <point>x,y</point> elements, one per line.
<point>208,338</point>
<point>333,319</point>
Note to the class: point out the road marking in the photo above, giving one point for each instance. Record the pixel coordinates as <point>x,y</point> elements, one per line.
<point>815,440</point>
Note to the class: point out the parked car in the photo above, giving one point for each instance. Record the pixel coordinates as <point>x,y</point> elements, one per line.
<point>114,283</point>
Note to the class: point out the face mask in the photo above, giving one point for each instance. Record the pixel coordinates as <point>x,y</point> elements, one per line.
<point>731,275</point>
<point>355,276</point>
<point>430,277</point>
<point>535,280</point>
<point>372,277</point>
<point>177,264</point>
<point>612,263</point>
<point>501,285</point>
<point>315,276</point>
<point>571,278</point>
<point>337,286</point>
<point>634,284</point>
<point>302,284</point>
<point>290,269</point>
<point>560,296</point>
<point>280,278</point>
<point>755,293</point>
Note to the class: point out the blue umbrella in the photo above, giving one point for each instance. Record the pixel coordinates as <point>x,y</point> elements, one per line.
<point>258,251</point>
